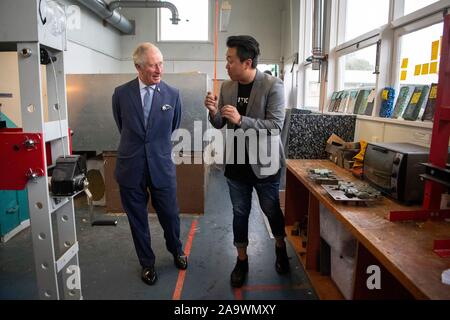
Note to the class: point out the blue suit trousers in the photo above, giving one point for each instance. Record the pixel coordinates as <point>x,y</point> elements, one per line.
<point>135,201</point>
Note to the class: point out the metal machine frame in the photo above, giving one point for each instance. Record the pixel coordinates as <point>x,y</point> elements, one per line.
<point>436,178</point>
<point>24,30</point>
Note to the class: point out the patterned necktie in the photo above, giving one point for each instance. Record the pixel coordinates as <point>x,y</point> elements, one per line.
<point>148,97</point>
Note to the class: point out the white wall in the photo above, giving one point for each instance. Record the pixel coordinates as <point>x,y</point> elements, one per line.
<point>258,18</point>
<point>98,48</point>
<point>94,48</point>
<point>81,59</point>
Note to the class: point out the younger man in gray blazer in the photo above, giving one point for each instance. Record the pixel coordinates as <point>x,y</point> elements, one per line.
<point>252,102</point>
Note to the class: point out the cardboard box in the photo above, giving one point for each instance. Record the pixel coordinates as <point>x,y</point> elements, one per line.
<point>348,164</point>
<point>341,152</point>
<point>189,177</point>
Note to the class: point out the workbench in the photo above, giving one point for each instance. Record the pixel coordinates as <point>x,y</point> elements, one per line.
<point>410,269</point>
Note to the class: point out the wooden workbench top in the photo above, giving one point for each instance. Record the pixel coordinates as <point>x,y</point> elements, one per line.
<point>404,248</point>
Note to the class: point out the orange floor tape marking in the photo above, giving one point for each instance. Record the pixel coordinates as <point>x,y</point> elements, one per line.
<point>182,273</point>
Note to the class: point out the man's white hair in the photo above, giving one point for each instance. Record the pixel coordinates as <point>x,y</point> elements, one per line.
<point>141,50</point>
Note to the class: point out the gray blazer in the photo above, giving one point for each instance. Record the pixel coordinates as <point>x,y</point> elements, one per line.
<point>265,111</point>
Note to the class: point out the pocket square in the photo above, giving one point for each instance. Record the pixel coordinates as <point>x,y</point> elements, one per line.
<point>166,107</point>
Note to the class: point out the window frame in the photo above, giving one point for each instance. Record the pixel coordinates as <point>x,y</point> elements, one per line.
<point>361,42</point>
<point>404,30</point>
<point>342,14</point>
<point>390,48</point>
<point>307,66</point>
<point>211,10</point>
<point>349,50</point>
<point>401,20</point>
<point>305,41</point>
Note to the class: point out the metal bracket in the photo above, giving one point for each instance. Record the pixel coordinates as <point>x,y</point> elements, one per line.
<point>94,222</point>
<point>437,174</point>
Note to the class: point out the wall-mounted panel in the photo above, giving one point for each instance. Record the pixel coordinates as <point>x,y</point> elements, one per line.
<point>90,110</point>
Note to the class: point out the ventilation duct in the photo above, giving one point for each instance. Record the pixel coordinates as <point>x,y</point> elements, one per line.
<point>100,8</point>
<point>147,4</point>
<point>318,27</point>
<point>110,15</point>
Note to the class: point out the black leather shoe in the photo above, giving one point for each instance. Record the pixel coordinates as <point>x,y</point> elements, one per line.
<point>180,262</point>
<point>282,262</point>
<point>149,275</point>
<point>239,273</point>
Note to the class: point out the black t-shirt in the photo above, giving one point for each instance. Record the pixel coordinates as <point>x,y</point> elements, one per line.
<point>244,172</point>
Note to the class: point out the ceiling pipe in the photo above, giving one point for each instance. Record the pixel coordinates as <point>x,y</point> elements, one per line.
<point>318,28</point>
<point>117,20</point>
<point>147,4</point>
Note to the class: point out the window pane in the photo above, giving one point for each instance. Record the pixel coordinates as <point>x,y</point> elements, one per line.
<point>273,68</point>
<point>420,54</point>
<point>365,15</point>
<point>194,26</point>
<point>414,5</point>
<point>312,88</point>
<point>359,68</point>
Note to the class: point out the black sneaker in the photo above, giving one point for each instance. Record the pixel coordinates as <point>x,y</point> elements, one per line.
<point>239,273</point>
<point>282,262</point>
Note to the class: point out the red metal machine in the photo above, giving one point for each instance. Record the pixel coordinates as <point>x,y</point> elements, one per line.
<point>21,158</point>
<point>438,172</point>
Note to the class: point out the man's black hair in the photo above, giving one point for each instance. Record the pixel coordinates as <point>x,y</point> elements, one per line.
<point>246,47</point>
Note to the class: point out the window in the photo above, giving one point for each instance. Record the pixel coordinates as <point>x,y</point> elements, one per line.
<point>312,88</point>
<point>273,68</point>
<point>407,34</point>
<point>420,53</point>
<point>414,5</point>
<point>309,86</point>
<point>194,23</point>
<point>359,68</point>
<point>363,16</point>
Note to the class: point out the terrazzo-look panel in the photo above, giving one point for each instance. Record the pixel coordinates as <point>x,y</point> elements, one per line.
<point>308,134</point>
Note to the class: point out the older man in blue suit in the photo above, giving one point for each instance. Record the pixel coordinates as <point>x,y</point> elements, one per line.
<point>147,111</point>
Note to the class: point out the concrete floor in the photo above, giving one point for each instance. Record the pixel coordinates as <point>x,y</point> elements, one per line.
<point>110,269</point>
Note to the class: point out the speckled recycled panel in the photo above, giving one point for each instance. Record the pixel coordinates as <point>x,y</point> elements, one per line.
<point>308,134</point>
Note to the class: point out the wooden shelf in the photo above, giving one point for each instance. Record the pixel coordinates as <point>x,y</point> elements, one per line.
<point>323,285</point>
<point>399,249</point>
<point>402,122</point>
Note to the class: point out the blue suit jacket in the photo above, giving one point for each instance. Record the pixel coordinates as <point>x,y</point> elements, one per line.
<point>151,146</point>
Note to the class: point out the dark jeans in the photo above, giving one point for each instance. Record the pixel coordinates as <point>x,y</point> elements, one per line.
<point>269,200</point>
